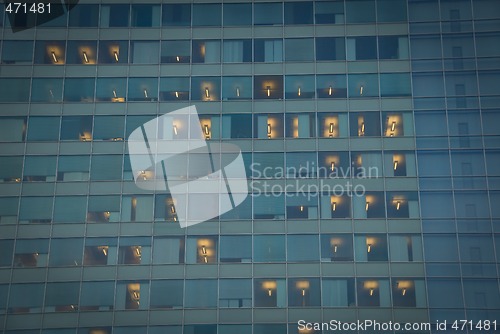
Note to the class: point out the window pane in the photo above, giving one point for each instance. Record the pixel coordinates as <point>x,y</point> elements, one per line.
<point>14,52</point>
<point>52,52</point>
<point>268,50</point>
<point>237,51</point>
<point>6,251</point>
<point>336,247</point>
<point>302,248</point>
<point>331,86</point>
<point>111,89</point>
<point>143,89</point>
<point>12,129</point>
<point>391,11</point>
<point>79,89</point>
<point>145,15</point>
<point>115,16</point>
<point>81,52</point>
<point>84,16</point>
<point>14,90</point>
<point>70,209</point>
<point>395,84</point>
<point>298,12</point>
<point>299,87</point>
<point>236,125</point>
<point>269,293</point>
<point>201,293</point>
<point>235,88</point>
<point>36,210</point>
<point>205,88</point>
<point>26,298</point>
<point>66,252</point>
<point>109,128</point>
<point>40,168</point>
<point>76,128</point>
<point>393,47</point>
<point>207,15</point>
<point>106,167</point>
<point>268,87</point>
<point>167,294</point>
<point>113,52</point>
<point>363,85</point>
<point>97,296</point>
<point>176,15</point>
<point>237,14</point>
<point>269,248</point>
<point>144,52</point>
<point>329,12</point>
<point>268,13</point>
<point>235,293</point>
<point>304,292</point>
<point>168,250</point>
<point>338,292</point>
<point>31,253</point>
<point>46,90</point>
<point>206,51</point>
<point>362,48</point>
<point>372,292</point>
<point>330,48</point>
<point>235,248</point>
<point>62,297</point>
<point>175,51</point>
<point>299,49</point>
<point>73,168</point>
<point>360,11</point>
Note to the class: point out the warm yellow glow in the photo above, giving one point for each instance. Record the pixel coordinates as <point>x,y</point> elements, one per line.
<point>302,285</point>
<point>398,205</point>
<point>138,250</point>
<point>369,248</point>
<point>371,292</point>
<point>177,94</point>
<point>268,91</point>
<point>54,57</point>
<point>103,249</point>
<point>403,292</point>
<point>207,92</point>
<point>172,208</point>
<point>86,136</point>
<point>269,130</point>
<point>334,206</point>
<point>331,128</point>
<point>295,127</point>
<point>367,206</point>
<point>332,166</point>
<point>363,127</point>
<point>298,93</point>
<point>269,292</point>
<point>206,129</point>
<point>116,55</point>
<point>330,90</point>
<point>395,164</point>
<point>335,248</point>
<point>269,286</point>
<point>393,126</point>
<point>134,290</point>
<point>204,250</point>
<point>85,57</point>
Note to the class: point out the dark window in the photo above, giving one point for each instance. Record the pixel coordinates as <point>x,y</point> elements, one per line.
<point>237,14</point>
<point>298,12</point>
<point>207,14</point>
<point>329,12</point>
<point>145,15</point>
<point>237,51</point>
<point>16,52</point>
<point>115,16</point>
<point>268,50</point>
<point>175,51</point>
<point>176,15</point>
<point>84,16</point>
<point>330,48</point>
<point>268,13</point>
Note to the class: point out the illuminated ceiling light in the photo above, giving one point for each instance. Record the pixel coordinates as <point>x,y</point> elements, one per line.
<point>330,90</point>
<point>268,91</point>
<point>204,250</point>
<point>116,55</point>
<point>178,58</point>
<point>138,250</point>
<point>398,205</point>
<point>114,94</point>
<point>371,292</point>
<point>145,93</point>
<point>361,90</point>
<point>85,57</point>
<point>298,93</point>
<point>303,292</point>
<point>177,94</point>
<point>175,129</point>
<point>301,208</point>
<point>51,93</point>
<point>172,208</point>
<point>206,130</point>
<point>332,166</point>
<point>175,218</point>
<point>269,130</point>
<point>335,248</point>
<point>331,128</point>
<point>205,259</point>
<point>363,127</point>
<point>403,292</point>
<point>207,92</point>
<point>54,57</point>
<point>269,292</point>
<point>238,91</point>
<point>369,248</point>
<point>395,164</point>
<point>393,126</point>
<point>367,205</point>
<point>391,135</point>
<point>334,206</point>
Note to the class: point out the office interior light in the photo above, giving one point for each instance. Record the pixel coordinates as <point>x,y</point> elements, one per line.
<point>85,57</point>
<point>331,128</point>
<point>116,56</point>
<point>363,128</point>
<point>361,89</point>
<point>393,126</point>
<point>371,292</point>
<point>335,247</point>
<point>268,91</point>
<point>172,208</point>
<point>299,92</point>
<point>177,94</point>
<point>395,164</point>
<point>398,205</point>
<point>206,130</point>
<point>175,129</point>
<point>54,57</point>
<point>178,58</point>
<point>207,92</point>
<point>332,166</point>
<point>269,130</point>
<point>301,208</point>
<point>238,91</point>
<point>369,248</point>
<point>367,206</point>
<point>334,206</point>
<point>330,90</point>
<point>146,93</point>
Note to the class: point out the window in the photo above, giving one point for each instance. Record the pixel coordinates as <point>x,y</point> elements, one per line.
<point>99,252</point>
<point>268,87</point>
<point>395,84</point>
<point>338,292</point>
<point>330,48</point>
<point>333,206</point>
<point>237,51</point>
<point>111,89</point>
<point>391,11</point>
<point>76,128</point>
<point>134,250</point>
<point>363,85</point>
<point>31,253</point>
<point>70,209</point>
<point>40,168</point>
<point>364,124</point>
<point>46,90</point>
<point>373,292</point>
<point>408,293</point>
<point>304,292</point>
<point>50,52</point>
<point>106,167</point>
<point>268,165</point>
<point>8,210</point>
<point>84,16</point>
<point>393,47</point>
<point>235,293</point>
<point>175,51</point>
<point>201,250</point>
<point>207,14</point>
<point>236,125</point>
<point>269,293</point>
<point>300,164</point>
<point>362,48</point>
<point>110,128</point>
<point>14,90</point>
<point>336,247</point>
<point>269,248</point>
<point>167,294</point>
<point>168,250</point>
<point>66,252</point>
<point>144,52</point>
<point>12,169</point>
<point>236,88</point>
<point>300,125</point>
<point>331,86</point>
<point>145,15</point>
<point>176,15</point>
<point>12,129</point>
<point>79,89</point>
<point>14,52</point>
<point>36,210</point>
<point>62,297</point>
<point>371,247</point>
<point>329,12</point>
<point>268,126</point>
<point>268,50</point>
<point>73,168</point>
<point>236,248</point>
<point>445,293</point>
<point>81,52</point>
<point>115,16</point>
<point>206,51</point>
<point>302,248</point>
<point>405,248</point>
<point>298,12</point>
<point>237,14</point>
<point>299,87</point>
<point>113,52</point>
<point>102,209</point>
<point>132,295</point>
<point>6,251</point>
<point>205,88</point>
<point>299,49</point>
<point>97,296</point>
<point>137,208</point>
<point>481,293</point>
<point>360,11</point>
<point>143,89</point>
<point>268,13</point>
<point>25,298</point>
<point>201,293</point>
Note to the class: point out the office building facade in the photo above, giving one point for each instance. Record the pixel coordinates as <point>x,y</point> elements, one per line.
<point>369,132</point>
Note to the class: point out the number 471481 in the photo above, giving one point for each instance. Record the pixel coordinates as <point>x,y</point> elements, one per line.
<point>26,8</point>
